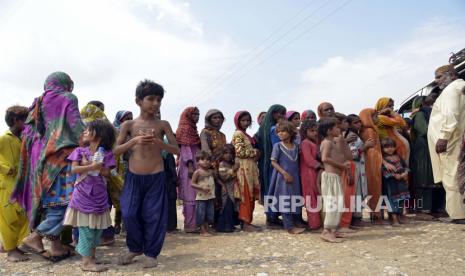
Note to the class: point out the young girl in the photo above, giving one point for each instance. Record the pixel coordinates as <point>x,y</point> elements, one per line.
<point>309,172</point>
<point>247,174</point>
<point>203,181</point>
<point>188,139</point>
<point>294,118</point>
<point>227,172</point>
<point>89,209</point>
<point>285,180</point>
<point>358,149</point>
<point>394,183</point>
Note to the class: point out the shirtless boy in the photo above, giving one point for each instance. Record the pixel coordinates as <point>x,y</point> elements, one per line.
<point>334,161</point>
<point>144,199</point>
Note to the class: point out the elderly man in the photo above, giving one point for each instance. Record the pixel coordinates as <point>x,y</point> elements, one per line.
<point>444,136</point>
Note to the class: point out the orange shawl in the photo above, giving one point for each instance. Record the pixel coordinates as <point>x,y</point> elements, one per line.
<point>373,156</point>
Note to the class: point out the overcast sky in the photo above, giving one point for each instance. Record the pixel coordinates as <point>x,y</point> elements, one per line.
<point>230,55</point>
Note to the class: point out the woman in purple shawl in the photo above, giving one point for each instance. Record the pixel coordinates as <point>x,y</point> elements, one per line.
<point>52,131</point>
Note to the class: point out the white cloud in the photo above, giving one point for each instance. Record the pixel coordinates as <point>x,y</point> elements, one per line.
<point>396,71</point>
<point>107,47</point>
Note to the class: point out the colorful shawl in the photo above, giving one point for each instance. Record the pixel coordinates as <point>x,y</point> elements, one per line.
<point>306,115</point>
<point>187,133</point>
<point>266,146</point>
<point>387,127</point>
<point>52,131</point>
<point>119,117</point>
<point>90,113</point>
<point>236,123</point>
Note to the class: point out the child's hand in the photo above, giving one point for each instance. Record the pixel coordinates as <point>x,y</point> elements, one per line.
<point>352,137</point>
<point>190,170</point>
<point>143,140</point>
<point>389,167</point>
<point>206,190</point>
<point>97,166</point>
<point>85,162</point>
<point>287,177</point>
<point>347,165</point>
<point>370,143</point>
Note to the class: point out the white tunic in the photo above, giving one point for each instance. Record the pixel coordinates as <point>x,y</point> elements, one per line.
<point>448,122</point>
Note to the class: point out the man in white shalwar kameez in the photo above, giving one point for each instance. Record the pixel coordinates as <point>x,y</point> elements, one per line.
<point>445,129</point>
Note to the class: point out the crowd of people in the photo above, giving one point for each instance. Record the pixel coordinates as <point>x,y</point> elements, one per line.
<point>62,170</point>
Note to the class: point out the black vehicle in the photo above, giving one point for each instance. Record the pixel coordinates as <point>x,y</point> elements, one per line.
<point>456,59</point>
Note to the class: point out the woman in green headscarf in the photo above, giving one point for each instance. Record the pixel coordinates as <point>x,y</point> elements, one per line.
<point>429,196</point>
<point>266,138</point>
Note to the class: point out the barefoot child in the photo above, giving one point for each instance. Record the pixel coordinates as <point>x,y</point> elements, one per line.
<point>227,172</point>
<point>334,163</point>
<point>247,175</point>
<point>203,181</point>
<point>309,172</point>
<point>394,183</point>
<point>285,179</point>
<point>144,199</point>
<point>13,220</point>
<point>89,209</point>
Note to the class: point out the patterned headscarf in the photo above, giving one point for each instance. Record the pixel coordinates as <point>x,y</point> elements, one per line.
<point>306,114</point>
<point>119,117</point>
<point>90,113</point>
<point>187,133</point>
<point>208,116</point>
<point>237,123</point>
<point>45,146</point>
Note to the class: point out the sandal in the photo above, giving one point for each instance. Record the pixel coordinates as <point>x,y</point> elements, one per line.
<point>56,259</point>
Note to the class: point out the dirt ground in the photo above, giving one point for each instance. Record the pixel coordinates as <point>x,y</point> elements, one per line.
<point>417,248</point>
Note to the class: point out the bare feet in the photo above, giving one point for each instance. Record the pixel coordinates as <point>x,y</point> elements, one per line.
<point>247,227</point>
<point>93,267</point>
<point>128,258</point>
<point>346,230</point>
<point>296,230</point>
<point>107,241</point>
<point>57,249</point>
<point>339,235</point>
<point>330,237</point>
<point>206,234</point>
<point>16,256</point>
<point>34,242</point>
<point>150,262</point>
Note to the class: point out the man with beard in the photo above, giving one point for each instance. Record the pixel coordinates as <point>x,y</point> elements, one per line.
<point>446,126</point>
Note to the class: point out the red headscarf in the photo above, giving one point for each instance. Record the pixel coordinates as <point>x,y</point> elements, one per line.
<point>236,122</point>
<point>187,133</point>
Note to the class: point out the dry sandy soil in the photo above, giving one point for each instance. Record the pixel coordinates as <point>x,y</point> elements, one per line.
<point>417,248</point>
